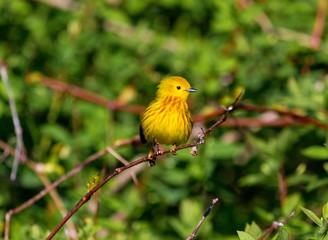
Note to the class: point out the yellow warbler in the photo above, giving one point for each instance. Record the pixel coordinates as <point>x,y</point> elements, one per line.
<point>167,119</point>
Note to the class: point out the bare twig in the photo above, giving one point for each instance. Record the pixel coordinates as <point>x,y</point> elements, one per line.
<point>122,160</point>
<point>19,151</point>
<point>77,92</point>
<point>117,171</point>
<point>276,225</point>
<point>50,187</point>
<point>193,234</point>
<point>292,118</point>
<point>71,233</point>
<point>298,118</point>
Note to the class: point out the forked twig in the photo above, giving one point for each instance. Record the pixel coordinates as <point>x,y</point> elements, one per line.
<point>117,171</point>
<point>71,232</point>
<point>208,210</point>
<point>53,185</point>
<point>276,225</point>
<point>122,160</point>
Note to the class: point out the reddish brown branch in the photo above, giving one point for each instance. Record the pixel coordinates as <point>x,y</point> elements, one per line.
<point>255,122</point>
<point>71,233</point>
<point>50,187</point>
<point>117,171</point>
<point>291,118</point>
<point>297,118</point>
<point>276,225</point>
<point>78,92</point>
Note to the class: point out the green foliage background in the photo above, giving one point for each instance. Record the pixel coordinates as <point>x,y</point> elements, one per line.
<point>118,46</point>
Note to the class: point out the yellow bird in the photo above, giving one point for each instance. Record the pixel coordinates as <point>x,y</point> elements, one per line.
<point>167,120</point>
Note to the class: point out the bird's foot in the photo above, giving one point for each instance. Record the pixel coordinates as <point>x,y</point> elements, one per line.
<point>151,158</point>
<point>173,149</point>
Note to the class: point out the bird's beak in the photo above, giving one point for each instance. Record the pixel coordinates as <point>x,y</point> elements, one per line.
<point>191,90</point>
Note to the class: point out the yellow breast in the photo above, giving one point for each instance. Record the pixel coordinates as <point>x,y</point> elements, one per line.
<point>167,120</point>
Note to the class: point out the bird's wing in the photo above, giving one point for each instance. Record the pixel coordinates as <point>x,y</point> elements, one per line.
<point>141,134</point>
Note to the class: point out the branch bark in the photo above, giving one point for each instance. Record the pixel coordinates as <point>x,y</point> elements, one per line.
<point>149,159</point>
<point>276,225</point>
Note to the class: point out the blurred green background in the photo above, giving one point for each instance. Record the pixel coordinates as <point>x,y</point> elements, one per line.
<point>120,49</point>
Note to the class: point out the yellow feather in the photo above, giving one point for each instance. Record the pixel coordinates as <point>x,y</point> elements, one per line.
<point>167,119</point>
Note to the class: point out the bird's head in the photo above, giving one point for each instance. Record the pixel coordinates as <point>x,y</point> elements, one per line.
<point>174,86</point>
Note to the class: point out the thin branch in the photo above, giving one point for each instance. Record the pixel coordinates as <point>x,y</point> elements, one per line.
<point>276,225</point>
<point>298,117</point>
<point>71,233</point>
<point>117,171</point>
<point>49,188</point>
<point>122,160</point>
<point>283,190</point>
<point>81,93</point>
<point>67,5</point>
<point>319,24</point>
<point>39,168</point>
<point>193,234</point>
<point>285,34</point>
<point>19,151</point>
<point>292,118</point>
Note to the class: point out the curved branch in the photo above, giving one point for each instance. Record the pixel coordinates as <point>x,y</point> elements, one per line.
<point>276,225</point>
<point>292,118</point>
<point>117,171</point>
<point>50,187</point>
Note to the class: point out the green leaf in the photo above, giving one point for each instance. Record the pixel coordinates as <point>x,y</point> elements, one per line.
<point>245,236</point>
<point>322,234</point>
<point>316,152</point>
<point>253,229</point>
<point>291,203</point>
<point>312,216</point>
<point>282,235</point>
<point>325,211</point>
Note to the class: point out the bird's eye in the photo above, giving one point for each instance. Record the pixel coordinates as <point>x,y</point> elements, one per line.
<point>178,87</point>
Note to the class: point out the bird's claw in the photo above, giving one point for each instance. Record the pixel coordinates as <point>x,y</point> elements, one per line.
<point>151,158</point>
<point>173,149</point>
<point>150,155</point>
